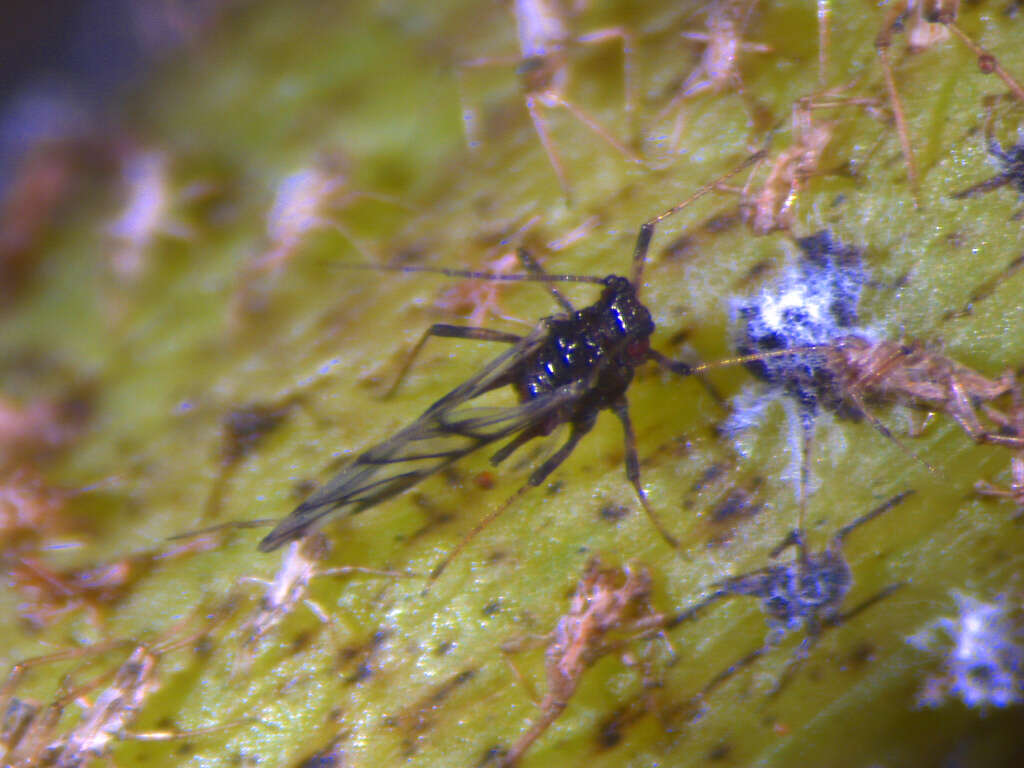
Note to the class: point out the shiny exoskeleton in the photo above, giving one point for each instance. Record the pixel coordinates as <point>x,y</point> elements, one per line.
<point>614,331</point>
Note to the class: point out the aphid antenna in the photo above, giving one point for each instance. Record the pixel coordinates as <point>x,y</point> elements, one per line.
<point>471,274</point>
<point>536,275</point>
<point>643,240</point>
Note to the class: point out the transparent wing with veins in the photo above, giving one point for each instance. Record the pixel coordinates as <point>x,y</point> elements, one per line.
<point>448,430</point>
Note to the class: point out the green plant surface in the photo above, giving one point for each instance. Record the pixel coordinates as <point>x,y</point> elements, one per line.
<point>403,678</point>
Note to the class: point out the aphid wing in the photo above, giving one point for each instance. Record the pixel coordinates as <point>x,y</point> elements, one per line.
<point>447,431</point>
<point>493,375</point>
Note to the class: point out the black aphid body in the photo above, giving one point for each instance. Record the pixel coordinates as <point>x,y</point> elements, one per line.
<point>571,367</point>
<point>574,365</point>
<point>815,304</point>
<point>614,331</point>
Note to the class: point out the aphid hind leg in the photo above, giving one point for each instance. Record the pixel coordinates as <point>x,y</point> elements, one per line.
<point>807,422</point>
<point>621,409</point>
<point>797,658</point>
<point>469,118</point>
<point>731,671</point>
<point>987,63</point>
<point>884,431</point>
<point>493,515</point>
<point>591,122</point>
<point>449,332</point>
<point>576,433</point>
<point>625,39</point>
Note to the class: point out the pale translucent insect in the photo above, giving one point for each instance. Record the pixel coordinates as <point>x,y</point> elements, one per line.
<point>304,201</point>
<point>110,717</point>
<point>928,16</point>
<point>545,40</point>
<point>146,214</point>
<point>299,566</point>
<point>719,67</point>
<point>770,207</point>
<point>610,606</point>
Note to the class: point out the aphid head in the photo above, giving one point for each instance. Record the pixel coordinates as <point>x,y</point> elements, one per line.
<point>632,318</point>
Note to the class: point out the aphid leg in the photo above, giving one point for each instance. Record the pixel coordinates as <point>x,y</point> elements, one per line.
<point>621,409</point>
<point>1014,425</point>
<point>521,680</point>
<point>814,630</point>
<point>987,63</point>
<point>997,181</point>
<point>552,99</point>
<point>450,332</point>
<point>19,669</point>
<point>625,39</point>
<point>1014,492</point>
<point>729,672</point>
<point>576,432</point>
<point>797,658</point>
<point>534,268</point>
<point>691,612</point>
<point>883,42</point>
<point>887,433</point>
<point>963,412</point>
<point>490,518</point>
<point>806,445</point>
